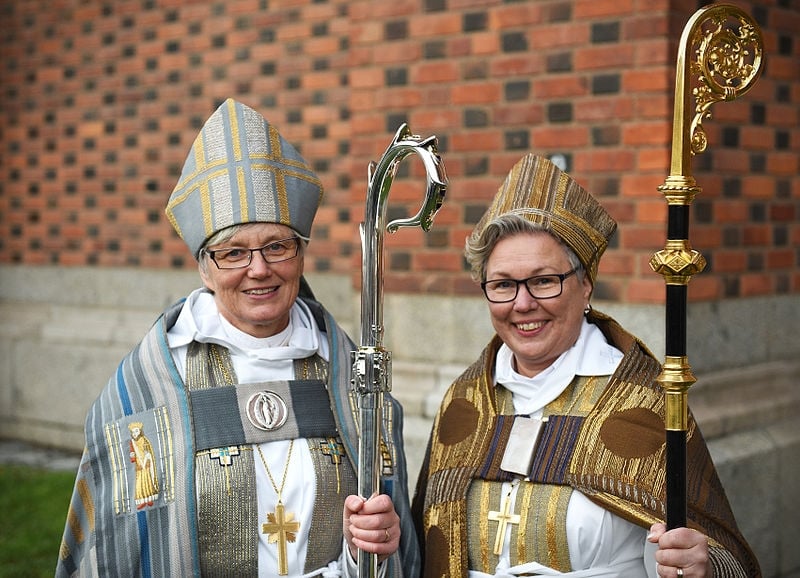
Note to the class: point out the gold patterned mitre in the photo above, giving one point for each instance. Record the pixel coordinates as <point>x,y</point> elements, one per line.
<point>240,170</point>
<point>540,192</point>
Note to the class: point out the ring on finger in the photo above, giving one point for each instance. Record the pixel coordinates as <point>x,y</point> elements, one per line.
<point>386,539</point>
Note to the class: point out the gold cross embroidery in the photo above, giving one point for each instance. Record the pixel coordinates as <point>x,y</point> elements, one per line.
<point>225,457</point>
<point>503,518</point>
<point>335,450</point>
<point>281,528</point>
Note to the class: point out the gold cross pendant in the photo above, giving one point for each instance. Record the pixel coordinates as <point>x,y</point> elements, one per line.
<point>503,518</point>
<point>281,528</point>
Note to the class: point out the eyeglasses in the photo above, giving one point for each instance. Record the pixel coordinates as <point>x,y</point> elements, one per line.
<point>239,257</point>
<point>538,286</point>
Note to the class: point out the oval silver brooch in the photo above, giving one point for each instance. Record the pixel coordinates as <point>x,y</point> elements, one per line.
<point>266,410</point>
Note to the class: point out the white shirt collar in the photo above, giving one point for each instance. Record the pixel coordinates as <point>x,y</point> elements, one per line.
<point>591,355</point>
<point>200,320</point>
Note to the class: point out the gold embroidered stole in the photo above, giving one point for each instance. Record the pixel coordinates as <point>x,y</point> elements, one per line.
<point>225,481</point>
<point>336,479</point>
<point>228,520</point>
<point>541,533</point>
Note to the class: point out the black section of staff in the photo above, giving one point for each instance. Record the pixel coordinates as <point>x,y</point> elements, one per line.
<point>676,479</point>
<point>678,222</point>
<point>675,336</point>
<point>675,346</point>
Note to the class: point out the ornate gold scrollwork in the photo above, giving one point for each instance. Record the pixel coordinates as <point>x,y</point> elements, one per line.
<point>727,62</point>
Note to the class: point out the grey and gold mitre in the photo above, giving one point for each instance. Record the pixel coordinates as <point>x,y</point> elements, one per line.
<point>240,170</point>
<point>540,192</point>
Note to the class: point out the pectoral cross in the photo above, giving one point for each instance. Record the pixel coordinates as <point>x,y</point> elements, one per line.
<point>503,518</point>
<point>281,528</point>
<point>334,449</point>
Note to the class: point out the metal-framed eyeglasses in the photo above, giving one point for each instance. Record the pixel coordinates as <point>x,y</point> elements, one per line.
<point>241,257</point>
<point>538,286</point>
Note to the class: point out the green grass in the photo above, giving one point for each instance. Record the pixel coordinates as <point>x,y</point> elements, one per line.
<point>33,509</point>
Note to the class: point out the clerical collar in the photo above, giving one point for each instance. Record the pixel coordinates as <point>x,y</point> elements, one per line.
<point>590,355</point>
<point>246,342</point>
<point>201,321</point>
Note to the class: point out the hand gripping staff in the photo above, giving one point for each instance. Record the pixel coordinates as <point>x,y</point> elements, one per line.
<point>371,362</point>
<point>722,47</point>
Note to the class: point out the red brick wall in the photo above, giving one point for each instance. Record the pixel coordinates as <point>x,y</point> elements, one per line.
<point>100,102</point>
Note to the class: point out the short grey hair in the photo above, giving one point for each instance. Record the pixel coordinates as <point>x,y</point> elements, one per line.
<point>477,250</point>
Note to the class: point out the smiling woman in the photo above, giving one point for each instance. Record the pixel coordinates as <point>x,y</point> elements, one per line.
<point>537,329</point>
<point>547,454</point>
<point>254,289</point>
<point>250,364</point>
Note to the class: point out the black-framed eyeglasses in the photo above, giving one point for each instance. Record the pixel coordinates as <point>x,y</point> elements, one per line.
<point>538,286</point>
<point>240,257</point>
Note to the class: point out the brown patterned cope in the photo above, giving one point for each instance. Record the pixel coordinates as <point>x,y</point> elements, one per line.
<point>604,440</point>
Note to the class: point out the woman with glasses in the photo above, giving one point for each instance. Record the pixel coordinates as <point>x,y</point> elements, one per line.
<point>243,388</point>
<point>546,457</point>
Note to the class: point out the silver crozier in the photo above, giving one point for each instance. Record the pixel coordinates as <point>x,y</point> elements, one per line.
<point>371,362</point>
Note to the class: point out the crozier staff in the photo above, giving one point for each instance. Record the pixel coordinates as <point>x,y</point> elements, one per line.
<point>243,388</point>
<point>546,457</point>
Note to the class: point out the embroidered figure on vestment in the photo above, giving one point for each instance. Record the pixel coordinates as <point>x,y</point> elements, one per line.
<point>142,455</point>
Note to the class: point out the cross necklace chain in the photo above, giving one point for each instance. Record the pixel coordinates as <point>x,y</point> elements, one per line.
<point>280,525</point>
